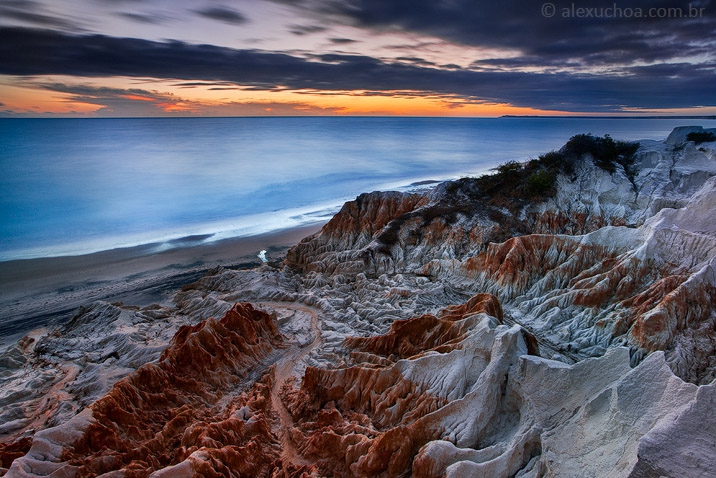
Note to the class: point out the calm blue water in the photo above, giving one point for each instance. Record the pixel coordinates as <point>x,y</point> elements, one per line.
<point>72,186</point>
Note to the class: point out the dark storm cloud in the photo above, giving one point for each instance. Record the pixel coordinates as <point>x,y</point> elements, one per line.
<point>223,14</point>
<point>550,29</point>
<point>86,91</point>
<point>47,52</point>
<point>104,95</point>
<point>114,102</point>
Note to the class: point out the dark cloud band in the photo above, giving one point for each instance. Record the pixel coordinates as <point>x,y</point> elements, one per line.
<point>598,31</point>
<point>43,52</point>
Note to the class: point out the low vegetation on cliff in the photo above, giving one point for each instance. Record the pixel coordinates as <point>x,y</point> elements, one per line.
<point>701,137</point>
<point>514,185</point>
<point>535,179</point>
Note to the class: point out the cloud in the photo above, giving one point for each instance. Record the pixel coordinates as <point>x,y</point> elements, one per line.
<point>640,31</point>
<point>123,102</point>
<point>306,29</point>
<point>194,84</point>
<point>46,52</point>
<point>29,11</point>
<point>342,41</point>
<point>143,17</point>
<point>416,61</point>
<point>223,14</point>
<point>141,102</point>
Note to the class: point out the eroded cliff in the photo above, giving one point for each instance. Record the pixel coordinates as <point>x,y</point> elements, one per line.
<point>567,331</point>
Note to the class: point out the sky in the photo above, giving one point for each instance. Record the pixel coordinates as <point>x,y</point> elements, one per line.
<point>126,58</point>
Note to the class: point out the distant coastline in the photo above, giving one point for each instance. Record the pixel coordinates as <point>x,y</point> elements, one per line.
<point>613,117</point>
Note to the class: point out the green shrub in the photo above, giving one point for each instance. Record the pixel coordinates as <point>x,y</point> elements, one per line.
<point>701,137</point>
<point>606,152</point>
<point>509,168</point>
<point>514,184</point>
<point>504,182</point>
<point>554,161</point>
<point>541,183</point>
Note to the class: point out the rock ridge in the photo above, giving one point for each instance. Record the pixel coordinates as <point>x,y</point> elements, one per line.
<point>441,333</point>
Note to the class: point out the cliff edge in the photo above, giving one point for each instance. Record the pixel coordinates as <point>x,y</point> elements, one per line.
<point>555,318</point>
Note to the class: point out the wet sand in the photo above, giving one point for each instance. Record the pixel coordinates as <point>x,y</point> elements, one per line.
<point>40,292</point>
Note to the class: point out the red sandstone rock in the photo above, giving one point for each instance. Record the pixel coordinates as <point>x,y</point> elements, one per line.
<point>411,337</point>
<point>655,306</point>
<point>167,412</point>
<point>353,227</point>
<point>12,450</point>
<point>368,419</point>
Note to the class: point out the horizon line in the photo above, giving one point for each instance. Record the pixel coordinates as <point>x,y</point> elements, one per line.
<point>572,116</point>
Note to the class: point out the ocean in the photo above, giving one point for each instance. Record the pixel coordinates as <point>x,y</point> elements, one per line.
<point>76,186</point>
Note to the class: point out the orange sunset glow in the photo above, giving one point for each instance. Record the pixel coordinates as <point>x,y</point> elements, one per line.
<point>319,57</point>
<point>238,102</point>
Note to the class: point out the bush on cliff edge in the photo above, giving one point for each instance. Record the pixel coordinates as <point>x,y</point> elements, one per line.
<point>515,184</point>
<point>701,137</point>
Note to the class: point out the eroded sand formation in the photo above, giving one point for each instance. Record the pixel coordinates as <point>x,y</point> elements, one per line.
<point>426,334</point>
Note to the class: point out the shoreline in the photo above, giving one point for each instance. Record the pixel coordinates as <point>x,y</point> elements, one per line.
<point>47,291</point>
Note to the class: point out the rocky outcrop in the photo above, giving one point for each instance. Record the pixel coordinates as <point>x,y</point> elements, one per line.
<point>351,230</point>
<point>474,400</point>
<point>12,450</point>
<point>455,394</point>
<point>454,221</point>
<point>371,419</point>
<point>612,258</point>
<point>650,287</point>
<point>48,378</point>
<point>185,412</point>
<point>435,334</point>
<point>411,337</point>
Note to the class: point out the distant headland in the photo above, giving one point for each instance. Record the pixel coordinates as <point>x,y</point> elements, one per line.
<point>707,117</point>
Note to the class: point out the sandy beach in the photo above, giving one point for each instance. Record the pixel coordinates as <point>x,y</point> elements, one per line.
<point>40,292</point>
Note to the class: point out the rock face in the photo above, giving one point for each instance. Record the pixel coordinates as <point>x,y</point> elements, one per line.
<point>345,236</point>
<point>427,334</point>
<point>458,394</point>
<point>372,418</point>
<point>609,260</point>
<point>179,413</point>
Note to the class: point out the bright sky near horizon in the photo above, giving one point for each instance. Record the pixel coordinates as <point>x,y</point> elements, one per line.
<point>98,58</point>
